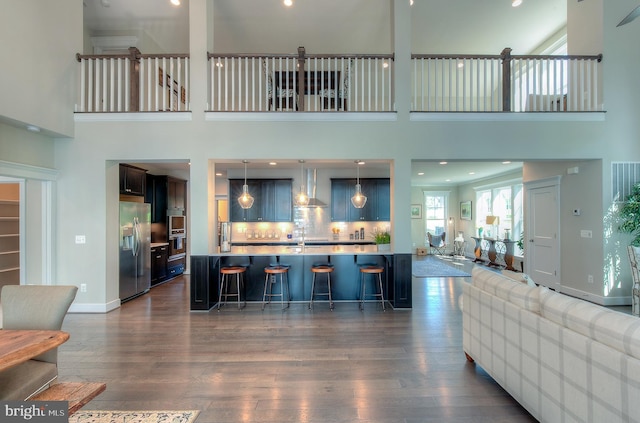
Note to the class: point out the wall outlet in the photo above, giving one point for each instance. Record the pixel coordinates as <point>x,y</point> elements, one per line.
<point>585,233</point>
<point>83,287</point>
<point>81,239</point>
<point>590,278</point>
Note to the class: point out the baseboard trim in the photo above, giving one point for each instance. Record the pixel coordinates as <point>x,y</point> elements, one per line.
<point>597,299</point>
<point>94,307</point>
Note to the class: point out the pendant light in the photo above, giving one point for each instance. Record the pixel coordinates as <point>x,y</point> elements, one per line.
<point>301,199</point>
<point>245,199</point>
<point>359,199</point>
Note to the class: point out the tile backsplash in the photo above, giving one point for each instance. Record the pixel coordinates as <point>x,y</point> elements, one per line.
<point>316,223</point>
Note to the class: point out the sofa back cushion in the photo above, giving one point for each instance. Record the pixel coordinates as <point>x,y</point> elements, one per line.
<point>617,330</point>
<point>517,293</point>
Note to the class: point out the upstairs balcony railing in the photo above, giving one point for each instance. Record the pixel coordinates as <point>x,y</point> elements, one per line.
<point>133,82</point>
<point>138,82</point>
<point>506,83</point>
<point>302,82</point>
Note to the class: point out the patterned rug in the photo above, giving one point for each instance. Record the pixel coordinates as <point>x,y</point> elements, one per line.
<point>437,266</point>
<point>172,416</point>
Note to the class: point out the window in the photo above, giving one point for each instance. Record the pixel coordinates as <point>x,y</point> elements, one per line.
<point>505,202</point>
<point>435,212</point>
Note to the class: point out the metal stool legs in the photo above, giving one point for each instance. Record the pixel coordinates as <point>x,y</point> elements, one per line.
<point>326,270</point>
<point>225,281</point>
<point>271,275</point>
<point>377,273</point>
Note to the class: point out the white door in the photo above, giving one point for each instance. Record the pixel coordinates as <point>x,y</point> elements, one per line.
<point>542,246</point>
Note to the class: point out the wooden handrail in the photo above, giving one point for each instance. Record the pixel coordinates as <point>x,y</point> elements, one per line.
<point>598,57</point>
<point>296,56</point>
<point>80,57</point>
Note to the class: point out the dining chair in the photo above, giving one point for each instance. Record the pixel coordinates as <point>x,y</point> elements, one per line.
<point>36,307</point>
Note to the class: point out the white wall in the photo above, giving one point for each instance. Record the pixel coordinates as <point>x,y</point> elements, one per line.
<point>39,43</point>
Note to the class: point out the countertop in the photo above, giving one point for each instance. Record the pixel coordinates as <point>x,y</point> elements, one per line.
<point>309,250</point>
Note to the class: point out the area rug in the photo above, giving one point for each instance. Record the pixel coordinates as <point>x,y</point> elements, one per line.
<point>172,416</point>
<point>433,266</point>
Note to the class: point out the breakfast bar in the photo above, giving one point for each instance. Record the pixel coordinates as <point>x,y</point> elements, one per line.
<point>345,278</point>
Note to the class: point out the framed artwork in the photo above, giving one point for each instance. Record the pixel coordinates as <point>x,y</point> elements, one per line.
<point>465,210</point>
<point>416,211</point>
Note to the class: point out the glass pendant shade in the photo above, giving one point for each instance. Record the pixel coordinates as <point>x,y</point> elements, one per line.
<point>245,200</point>
<point>359,199</point>
<point>301,199</point>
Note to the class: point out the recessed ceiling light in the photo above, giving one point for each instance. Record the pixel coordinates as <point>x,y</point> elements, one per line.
<point>420,173</point>
<point>472,173</point>
<point>218,174</point>
<point>272,163</point>
<point>361,162</point>
<point>443,163</point>
<point>506,162</point>
<point>175,2</point>
<point>288,3</point>
<point>516,3</point>
<point>33,128</point>
<point>447,180</point>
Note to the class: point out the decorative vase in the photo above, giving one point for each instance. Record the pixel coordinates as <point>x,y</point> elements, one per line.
<point>383,247</point>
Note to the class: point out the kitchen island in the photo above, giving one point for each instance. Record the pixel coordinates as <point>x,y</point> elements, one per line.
<point>345,279</point>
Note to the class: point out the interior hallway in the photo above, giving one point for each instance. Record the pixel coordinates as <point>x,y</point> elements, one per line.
<point>294,366</point>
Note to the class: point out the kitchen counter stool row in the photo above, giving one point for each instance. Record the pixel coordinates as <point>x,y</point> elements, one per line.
<point>234,281</point>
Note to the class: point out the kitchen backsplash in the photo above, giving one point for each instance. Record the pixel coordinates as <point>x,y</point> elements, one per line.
<point>315,222</point>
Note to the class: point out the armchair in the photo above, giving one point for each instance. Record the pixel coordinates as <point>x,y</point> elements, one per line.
<point>341,95</point>
<point>286,96</point>
<point>33,307</point>
<point>437,242</point>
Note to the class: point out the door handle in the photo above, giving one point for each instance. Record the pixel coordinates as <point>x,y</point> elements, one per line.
<point>530,240</point>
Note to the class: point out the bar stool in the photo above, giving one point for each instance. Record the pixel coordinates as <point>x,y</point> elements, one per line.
<point>375,271</point>
<point>271,277</point>
<point>321,269</point>
<point>227,273</point>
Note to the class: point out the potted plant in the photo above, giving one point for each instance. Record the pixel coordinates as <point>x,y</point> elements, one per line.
<point>383,240</point>
<point>629,222</point>
<point>629,215</point>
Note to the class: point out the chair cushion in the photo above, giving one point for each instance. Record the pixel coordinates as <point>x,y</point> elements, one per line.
<point>18,383</point>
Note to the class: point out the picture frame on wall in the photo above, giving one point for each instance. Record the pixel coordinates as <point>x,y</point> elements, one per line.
<point>416,211</point>
<point>465,210</point>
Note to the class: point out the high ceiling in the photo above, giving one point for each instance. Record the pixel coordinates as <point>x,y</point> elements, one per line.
<point>343,26</point>
<point>335,26</point>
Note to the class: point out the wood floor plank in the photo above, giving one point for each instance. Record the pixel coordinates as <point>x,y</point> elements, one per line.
<point>297,365</point>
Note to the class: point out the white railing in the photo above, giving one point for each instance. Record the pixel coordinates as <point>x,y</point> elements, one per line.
<point>133,83</point>
<point>259,83</point>
<point>499,83</point>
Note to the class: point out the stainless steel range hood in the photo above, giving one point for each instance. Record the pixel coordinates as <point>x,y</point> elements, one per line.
<point>312,178</point>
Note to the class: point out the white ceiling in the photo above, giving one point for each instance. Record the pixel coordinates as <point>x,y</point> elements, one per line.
<point>342,26</point>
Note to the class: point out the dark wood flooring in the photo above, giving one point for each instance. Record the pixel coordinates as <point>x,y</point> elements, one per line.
<point>298,365</point>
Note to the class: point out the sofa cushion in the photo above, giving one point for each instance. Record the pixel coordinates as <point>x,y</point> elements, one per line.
<point>18,383</point>
<point>506,288</point>
<point>616,330</point>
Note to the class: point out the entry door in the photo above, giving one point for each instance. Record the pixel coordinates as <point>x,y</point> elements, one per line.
<point>542,249</point>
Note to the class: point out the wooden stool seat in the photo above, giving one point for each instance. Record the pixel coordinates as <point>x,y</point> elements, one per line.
<point>376,271</point>
<point>232,270</point>
<point>227,272</point>
<point>271,275</point>
<point>321,269</point>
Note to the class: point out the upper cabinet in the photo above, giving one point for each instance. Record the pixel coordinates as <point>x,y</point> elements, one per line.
<point>132,180</point>
<point>377,208</point>
<point>273,201</point>
<point>167,196</point>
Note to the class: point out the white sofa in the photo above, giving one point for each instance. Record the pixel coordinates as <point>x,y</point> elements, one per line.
<point>562,358</point>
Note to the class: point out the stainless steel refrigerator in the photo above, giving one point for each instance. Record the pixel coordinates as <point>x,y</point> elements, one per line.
<point>135,249</point>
